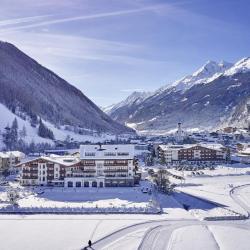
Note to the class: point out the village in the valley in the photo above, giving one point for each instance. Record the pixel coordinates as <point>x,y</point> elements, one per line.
<point>187,177</point>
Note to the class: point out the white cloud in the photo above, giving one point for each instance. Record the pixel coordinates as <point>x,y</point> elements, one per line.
<point>76,47</point>
<point>22,20</point>
<point>82,17</point>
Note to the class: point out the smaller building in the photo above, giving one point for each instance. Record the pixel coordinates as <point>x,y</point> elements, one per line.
<point>47,170</point>
<point>193,153</point>
<point>8,160</point>
<point>243,156</point>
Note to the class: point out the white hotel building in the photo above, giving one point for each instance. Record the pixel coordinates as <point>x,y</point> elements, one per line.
<point>98,166</point>
<point>103,166</point>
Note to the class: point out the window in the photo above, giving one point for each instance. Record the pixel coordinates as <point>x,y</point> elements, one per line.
<point>122,153</point>
<point>89,154</point>
<point>109,162</point>
<point>110,154</point>
<point>70,184</point>
<point>78,184</point>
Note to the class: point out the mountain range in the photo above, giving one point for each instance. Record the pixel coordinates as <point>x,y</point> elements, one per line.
<point>31,91</point>
<point>214,96</point>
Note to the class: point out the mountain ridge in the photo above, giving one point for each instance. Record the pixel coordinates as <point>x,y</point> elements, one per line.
<point>28,87</point>
<point>205,102</point>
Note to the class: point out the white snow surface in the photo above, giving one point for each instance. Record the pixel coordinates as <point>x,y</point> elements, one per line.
<point>207,73</point>
<point>241,66</point>
<point>231,238</point>
<point>7,118</point>
<point>192,238</point>
<point>135,98</point>
<point>215,186</point>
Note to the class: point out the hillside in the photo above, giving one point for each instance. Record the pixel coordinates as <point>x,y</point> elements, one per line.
<point>31,91</point>
<point>215,95</point>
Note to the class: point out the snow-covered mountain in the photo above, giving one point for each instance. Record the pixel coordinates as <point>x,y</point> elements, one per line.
<point>242,66</point>
<point>30,91</point>
<point>133,99</point>
<point>207,73</point>
<point>209,97</point>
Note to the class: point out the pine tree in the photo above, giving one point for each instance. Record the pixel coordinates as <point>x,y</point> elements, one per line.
<point>7,137</point>
<point>23,132</point>
<point>33,118</point>
<point>14,133</point>
<point>44,132</point>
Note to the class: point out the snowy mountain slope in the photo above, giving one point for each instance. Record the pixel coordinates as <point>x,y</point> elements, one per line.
<point>127,106</point>
<point>205,74</point>
<point>31,132</point>
<point>241,66</point>
<point>30,90</point>
<point>206,99</point>
<point>133,99</point>
<point>33,90</point>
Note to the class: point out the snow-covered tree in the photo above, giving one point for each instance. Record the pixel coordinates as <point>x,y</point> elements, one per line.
<point>23,132</point>
<point>45,132</point>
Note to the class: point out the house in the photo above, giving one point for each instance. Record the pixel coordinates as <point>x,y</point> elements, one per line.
<point>4,158</point>
<point>98,166</point>
<point>243,154</point>
<point>8,160</point>
<point>47,170</point>
<point>193,153</point>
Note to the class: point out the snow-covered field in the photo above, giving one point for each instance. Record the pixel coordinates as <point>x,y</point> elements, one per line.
<point>58,232</point>
<point>175,228</point>
<point>209,237</point>
<point>81,200</point>
<point>215,186</point>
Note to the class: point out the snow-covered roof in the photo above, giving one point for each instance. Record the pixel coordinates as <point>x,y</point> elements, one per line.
<point>12,154</point>
<point>121,151</point>
<point>245,151</point>
<point>62,160</point>
<point>3,155</point>
<point>214,146</point>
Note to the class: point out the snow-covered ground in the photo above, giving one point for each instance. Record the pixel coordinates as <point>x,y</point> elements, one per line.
<point>192,238</point>
<point>175,228</point>
<point>210,237</point>
<point>60,134</point>
<point>92,200</point>
<point>215,186</point>
<point>82,200</point>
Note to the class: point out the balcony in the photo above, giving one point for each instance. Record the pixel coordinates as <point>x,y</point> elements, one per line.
<point>24,171</point>
<point>115,170</point>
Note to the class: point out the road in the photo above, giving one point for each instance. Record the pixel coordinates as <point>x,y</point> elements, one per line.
<point>235,194</point>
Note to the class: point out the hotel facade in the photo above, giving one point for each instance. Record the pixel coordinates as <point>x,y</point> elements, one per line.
<point>193,153</point>
<point>98,166</point>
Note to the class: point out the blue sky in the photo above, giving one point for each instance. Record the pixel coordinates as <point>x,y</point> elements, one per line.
<point>109,48</point>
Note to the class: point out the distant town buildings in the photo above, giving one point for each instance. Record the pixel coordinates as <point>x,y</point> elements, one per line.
<point>9,159</point>
<point>242,153</point>
<point>193,153</point>
<point>180,134</point>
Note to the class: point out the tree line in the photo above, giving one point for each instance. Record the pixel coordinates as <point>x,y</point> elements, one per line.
<point>14,138</point>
